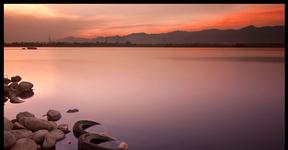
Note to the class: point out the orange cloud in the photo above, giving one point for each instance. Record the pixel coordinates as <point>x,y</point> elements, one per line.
<point>258,16</point>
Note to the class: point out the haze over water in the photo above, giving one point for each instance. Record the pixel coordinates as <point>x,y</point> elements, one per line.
<point>160,98</point>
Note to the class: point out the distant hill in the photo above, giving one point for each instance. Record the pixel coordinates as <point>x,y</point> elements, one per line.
<point>249,34</point>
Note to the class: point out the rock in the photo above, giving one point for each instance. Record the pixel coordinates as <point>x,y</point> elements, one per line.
<point>16,78</point>
<point>9,139</point>
<point>26,94</point>
<point>58,134</point>
<point>8,125</point>
<point>81,125</point>
<point>13,86</point>
<point>5,99</point>
<point>17,125</point>
<point>24,144</point>
<point>15,100</point>
<point>39,135</point>
<point>7,81</point>
<point>22,133</point>
<point>91,141</point>
<point>35,124</point>
<point>24,114</point>
<point>64,128</point>
<point>72,110</point>
<point>53,115</point>
<point>39,147</point>
<point>49,141</point>
<point>24,85</point>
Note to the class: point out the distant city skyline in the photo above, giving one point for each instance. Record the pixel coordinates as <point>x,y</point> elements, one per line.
<point>41,22</point>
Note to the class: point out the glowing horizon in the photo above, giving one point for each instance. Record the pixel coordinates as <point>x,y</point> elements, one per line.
<point>35,22</point>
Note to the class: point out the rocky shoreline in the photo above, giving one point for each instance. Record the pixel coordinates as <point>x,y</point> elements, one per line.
<point>27,132</point>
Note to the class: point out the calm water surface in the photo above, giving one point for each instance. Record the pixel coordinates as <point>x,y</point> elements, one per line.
<point>160,98</point>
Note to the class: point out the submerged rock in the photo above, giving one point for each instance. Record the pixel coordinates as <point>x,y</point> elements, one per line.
<point>35,124</point>
<point>24,114</point>
<point>39,135</point>
<point>53,115</point>
<point>9,139</point>
<point>81,125</point>
<point>64,128</point>
<point>24,144</point>
<point>22,133</point>
<point>49,141</point>
<point>91,141</point>
<point>8,125</point>
<point>72,110</point>
<point>16,78</point>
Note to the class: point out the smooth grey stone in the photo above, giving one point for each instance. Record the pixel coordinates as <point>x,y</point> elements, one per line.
<point>49,141</point>
<point>22,133</point>
<point>9,139</point>
<point>17,125</point>
<point>64,128</point>
<point>39,135</point>
<point>58,134</point>
<point>35,124</point>
<point>24,144</point>
<point>24,114</point>
<point>53,115</point>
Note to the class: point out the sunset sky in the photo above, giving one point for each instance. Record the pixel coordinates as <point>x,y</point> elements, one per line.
<point>36,22</point>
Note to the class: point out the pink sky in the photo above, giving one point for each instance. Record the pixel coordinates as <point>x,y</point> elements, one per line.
<point>36,22</point>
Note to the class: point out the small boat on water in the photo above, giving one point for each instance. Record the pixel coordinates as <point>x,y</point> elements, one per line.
<point>31,47</point>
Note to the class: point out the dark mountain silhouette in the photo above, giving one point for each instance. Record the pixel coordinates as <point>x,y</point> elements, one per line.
<point>249,34</point>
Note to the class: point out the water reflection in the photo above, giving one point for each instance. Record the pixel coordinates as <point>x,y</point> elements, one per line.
<point>241,58</point>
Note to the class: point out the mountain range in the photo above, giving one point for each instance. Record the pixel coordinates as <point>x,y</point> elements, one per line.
<point>248,34</point>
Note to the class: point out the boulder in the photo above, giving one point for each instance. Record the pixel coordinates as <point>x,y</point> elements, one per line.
<point>53,115</point>
<point>8,125</point>
<point>21,133</point>
<point>58,134</point>
<point>9,139</point>
<point>24,85</point>
<point>16,78</point>
<point>17,125</point>
<point>49,141</point>
<point>39,135</point>
<point>35,124</point>
<point>24,144</point>
<point>64,128</point>
<point>24,114</point>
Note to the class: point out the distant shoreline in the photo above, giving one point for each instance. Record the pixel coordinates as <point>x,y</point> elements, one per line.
<point>240,45</point>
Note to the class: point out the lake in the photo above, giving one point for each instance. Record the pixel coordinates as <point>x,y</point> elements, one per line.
<point>159,98</point>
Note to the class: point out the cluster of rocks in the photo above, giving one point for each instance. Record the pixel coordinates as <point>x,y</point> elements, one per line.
<point>13,90</point>
<point>27,132</point>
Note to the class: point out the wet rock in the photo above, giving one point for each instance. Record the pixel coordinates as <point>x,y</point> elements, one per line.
<point>64,128</point>
<point>13,86</point>
<point>35,124</point>
<point>39,135</point>
<point>16,78</point>
<point>21,133</point>
<point>17,125</point>
<point>49,141</point>
<point>91,141</point>
<point>58,134</point>
<point>72,110</point>
<point>24,114</point>
<point>5,99</point>
<point>26,94</point>
<point>81,125</point>
<point>24,85</point>
<point>9,139</point>
<point>15,100</point>
<point>8,125</point>
<point>39,147</point>
<point>53,115</point>
<point>24,144</point>
<point>7,81</point>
